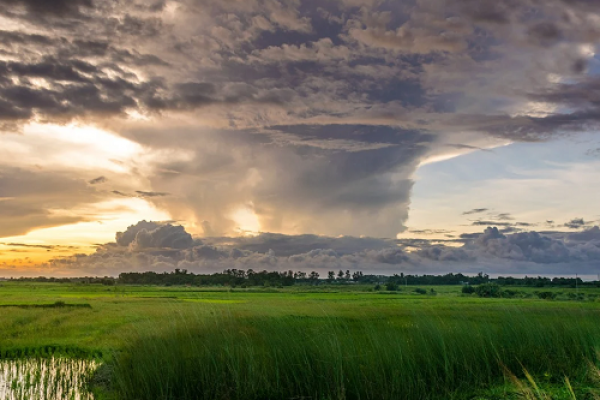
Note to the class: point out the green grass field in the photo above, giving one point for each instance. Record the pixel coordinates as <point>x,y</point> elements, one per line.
<point>306,342</point>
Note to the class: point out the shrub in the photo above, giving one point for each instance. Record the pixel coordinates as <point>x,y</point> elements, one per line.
<point>420,291</point>
<point>546,295</point>
<point>488,290</point>
<point>391,286</point>
<point>467,289</point>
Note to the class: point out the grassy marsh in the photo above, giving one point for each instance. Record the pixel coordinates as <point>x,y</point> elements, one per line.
<point>318,343</point>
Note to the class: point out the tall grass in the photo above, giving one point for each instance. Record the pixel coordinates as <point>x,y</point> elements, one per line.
<point>426,356</point>
<point>45,379</point>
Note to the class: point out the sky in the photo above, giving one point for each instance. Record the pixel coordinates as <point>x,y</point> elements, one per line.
<point>417,136</point>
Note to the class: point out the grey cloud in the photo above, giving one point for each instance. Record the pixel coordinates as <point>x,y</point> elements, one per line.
<point>591,234</point>
<point>430,231</point>
<point>39,199</point>
<point>575,223</point>
<point>330,109</point>
<point>163,247</point>
<point>489,223</point>
<point>287,245</point>
<point>152,235</point>
<point>503,217</point>
<point>388,256</point>
<point>445,253</point>
<point>164,236</point>
<point>151,194</point>
<point>206,252</point>
<point>475,211</point>
<point>545,33</point>
<point>593,153</point>
<point>530,246</point>
<point>128,236</point>
<point>289,186</point>
<point>58,8</point>
<point>98,180</point>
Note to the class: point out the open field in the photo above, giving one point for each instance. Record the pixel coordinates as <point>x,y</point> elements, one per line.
<point>325,342</point>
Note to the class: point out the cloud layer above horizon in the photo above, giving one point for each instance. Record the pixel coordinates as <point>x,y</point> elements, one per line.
<point>160,247</point>
<point>295,117</point>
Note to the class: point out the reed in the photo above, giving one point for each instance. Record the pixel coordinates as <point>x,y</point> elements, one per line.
<point>426,356</point>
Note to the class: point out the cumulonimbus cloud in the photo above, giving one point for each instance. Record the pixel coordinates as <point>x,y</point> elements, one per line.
<point>312,118</point>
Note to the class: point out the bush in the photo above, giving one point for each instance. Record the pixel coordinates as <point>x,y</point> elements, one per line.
<point>546,295</point>
<point>377,287</point>
<point>466,289</point>
<point>391,286</point>
<point>488,290</point>
<point>510,293</point>
<point>420,291</point>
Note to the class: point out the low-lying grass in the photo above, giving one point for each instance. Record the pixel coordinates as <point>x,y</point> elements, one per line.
<point>305,342</point>
<point>426,356</point>
<point>56,304</point>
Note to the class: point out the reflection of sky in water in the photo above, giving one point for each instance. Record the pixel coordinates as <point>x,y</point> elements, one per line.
<point>45,379</point>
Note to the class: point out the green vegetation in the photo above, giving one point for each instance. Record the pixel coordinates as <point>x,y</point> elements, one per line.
<point>320,342</point>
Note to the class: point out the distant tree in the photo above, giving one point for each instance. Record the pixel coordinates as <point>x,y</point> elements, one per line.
<point>301,275</point>
<point>347,276</point>
<point>313,276</point>
<point>357,276</point>
<point>340,274</point>
<point>330,276</point>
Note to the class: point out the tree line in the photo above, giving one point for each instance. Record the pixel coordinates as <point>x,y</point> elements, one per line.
<point>239,277</point>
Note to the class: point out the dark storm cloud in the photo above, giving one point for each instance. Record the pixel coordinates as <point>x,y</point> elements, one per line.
<point>57,8</point>
<point>312,116</point>
<point>273,54</point>
<point>332,171</point>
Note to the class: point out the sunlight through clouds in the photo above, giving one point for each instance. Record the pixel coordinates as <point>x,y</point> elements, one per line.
<point>67,146</point>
